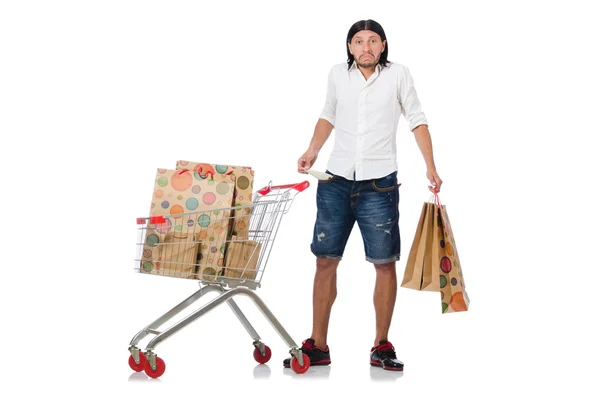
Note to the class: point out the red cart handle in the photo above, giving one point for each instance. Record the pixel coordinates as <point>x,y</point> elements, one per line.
<point>298,186</point>
<point>153,220</point>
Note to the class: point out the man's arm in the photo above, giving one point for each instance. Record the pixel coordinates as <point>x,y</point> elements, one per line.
<point>322,132</point>
<point>323,129</point>
<point>411,109</point>
<point>423,138</point>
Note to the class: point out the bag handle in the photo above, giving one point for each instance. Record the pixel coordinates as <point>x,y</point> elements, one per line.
<point>200,172</point>
<point>435,197</point>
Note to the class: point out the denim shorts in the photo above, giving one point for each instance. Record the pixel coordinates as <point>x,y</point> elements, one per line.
<point>373,204</point>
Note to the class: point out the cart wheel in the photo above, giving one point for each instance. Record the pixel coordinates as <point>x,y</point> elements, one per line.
<point>138,367</point>
<point>260,358</point>
<point>296,365</point>
<point>160,368</point>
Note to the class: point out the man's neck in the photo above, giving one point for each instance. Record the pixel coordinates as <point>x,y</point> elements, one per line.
<point>367,72</point>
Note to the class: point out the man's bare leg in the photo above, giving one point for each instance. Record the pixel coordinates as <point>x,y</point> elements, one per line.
<point>324,294</point>
<point>384,299</point>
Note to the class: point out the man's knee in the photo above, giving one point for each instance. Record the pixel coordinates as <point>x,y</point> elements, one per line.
<point>327,264</point>
<point>386,267</point>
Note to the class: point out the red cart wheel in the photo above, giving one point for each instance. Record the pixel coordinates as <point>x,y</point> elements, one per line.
<point>296,365</point>
<point>138,367</point>
<point>160,368</point>
<point>260,358</point>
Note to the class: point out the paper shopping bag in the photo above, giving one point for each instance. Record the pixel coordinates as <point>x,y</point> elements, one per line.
<point>431,265</point>
<point>177,254</point>
<point>413,272</point>
<point>451,281</point>
<point>242,177</point>
<point>241,258</point>
<point>192,205</point>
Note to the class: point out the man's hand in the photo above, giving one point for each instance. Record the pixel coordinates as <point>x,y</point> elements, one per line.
<point>435,180</point>
<point>307,160</point>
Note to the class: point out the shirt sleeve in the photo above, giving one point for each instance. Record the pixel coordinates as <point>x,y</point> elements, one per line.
<point>409,101</point>
<point>328,112</point>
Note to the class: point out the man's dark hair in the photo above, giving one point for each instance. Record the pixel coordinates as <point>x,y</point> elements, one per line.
<point>371,25</point>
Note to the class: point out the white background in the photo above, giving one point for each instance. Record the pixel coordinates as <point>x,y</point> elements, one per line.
<point>94,96</point>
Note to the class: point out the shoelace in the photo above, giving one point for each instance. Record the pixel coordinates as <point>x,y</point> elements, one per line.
<point>387,349</point>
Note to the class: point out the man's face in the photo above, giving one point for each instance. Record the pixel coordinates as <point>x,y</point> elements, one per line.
<point>366,47</point>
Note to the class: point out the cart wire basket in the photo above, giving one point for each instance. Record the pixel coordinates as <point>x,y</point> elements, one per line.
<point>201,246</point>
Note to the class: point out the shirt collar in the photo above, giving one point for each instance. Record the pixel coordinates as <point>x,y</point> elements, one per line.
<point>355,66</point>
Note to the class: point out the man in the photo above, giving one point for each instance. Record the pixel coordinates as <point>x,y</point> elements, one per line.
<point>365,99</point>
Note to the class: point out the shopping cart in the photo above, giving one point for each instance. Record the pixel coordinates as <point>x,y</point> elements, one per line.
<point>236,268</point>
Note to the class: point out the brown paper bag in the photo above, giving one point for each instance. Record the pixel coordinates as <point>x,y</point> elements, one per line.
<point>452,286</point>
<point>177,254</point>
<point>413,272</point>
<point>241,259</point>
<point>431,264</point>
<point>242,177</point>
<point>190,205</point>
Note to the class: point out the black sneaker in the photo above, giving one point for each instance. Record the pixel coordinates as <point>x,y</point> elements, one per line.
<point>384,356</point>
<point>316,355</point>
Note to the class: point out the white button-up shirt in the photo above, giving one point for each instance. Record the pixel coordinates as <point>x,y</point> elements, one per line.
<point>365,115</point>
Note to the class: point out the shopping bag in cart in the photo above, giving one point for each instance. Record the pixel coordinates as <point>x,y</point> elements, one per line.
<point>199,207</point>
<point>177,253</point>
<point>241,258</point>
<point>243,177</point>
